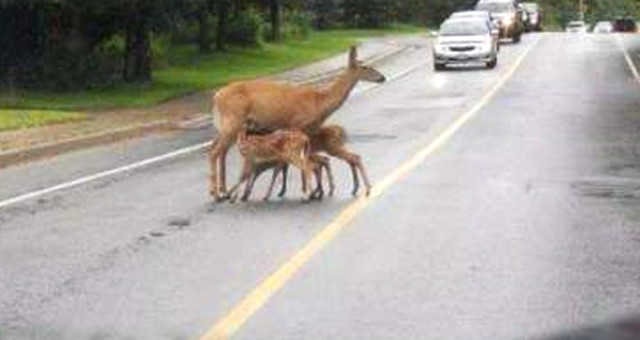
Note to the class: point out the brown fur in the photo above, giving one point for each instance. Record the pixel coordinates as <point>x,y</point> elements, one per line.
<point>272,106</point>
<point>328,139</point>
<point>332,140</point>
<point>279,149</point>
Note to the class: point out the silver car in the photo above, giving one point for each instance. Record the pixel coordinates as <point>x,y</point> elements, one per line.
<point>462,41</point>
<point>603,27</point>
<point>495,27</point>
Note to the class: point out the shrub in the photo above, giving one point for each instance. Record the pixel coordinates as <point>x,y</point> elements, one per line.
<point>72,65</point>
<point>160,46</point>
<point>246,28</point>
<point>297,25</point>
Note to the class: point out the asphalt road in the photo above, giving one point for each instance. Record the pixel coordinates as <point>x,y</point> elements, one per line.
<point>523,223</point>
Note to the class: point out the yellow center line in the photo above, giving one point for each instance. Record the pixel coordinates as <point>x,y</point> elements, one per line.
<point>260,295</point>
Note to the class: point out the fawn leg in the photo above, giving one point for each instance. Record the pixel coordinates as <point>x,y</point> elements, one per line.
<point>257,172</point>
<point>285,175</point>
<point>356,180</point>
<point>274,177</point>
<point>247,169</point>
<point>248,188</point>
<point>332,185</point>
<point>318,192</point>
<point>363,172</point>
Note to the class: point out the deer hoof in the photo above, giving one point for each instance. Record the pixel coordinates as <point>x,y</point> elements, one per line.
<point>233,198</point>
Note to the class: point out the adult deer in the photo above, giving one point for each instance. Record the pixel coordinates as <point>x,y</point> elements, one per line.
<point>271,106</point>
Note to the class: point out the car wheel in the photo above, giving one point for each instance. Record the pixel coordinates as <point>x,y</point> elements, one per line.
<point>493,63</point>
<point>517,38</point>
<point>439,67</point>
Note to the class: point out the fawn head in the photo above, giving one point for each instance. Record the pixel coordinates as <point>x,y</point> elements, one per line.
<point>363,72</point>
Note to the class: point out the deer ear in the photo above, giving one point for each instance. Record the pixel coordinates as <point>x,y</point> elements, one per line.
<point>353,57</point>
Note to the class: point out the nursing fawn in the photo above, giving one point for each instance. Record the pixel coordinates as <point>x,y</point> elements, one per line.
<point>330,140</point>
<point>276,150</point>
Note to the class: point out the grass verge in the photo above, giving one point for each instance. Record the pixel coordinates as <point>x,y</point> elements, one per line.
<point>20,119</point>
<point>190,71</point>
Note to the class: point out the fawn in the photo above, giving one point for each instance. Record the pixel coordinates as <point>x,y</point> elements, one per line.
<point>331,140</point>
<point>277,150</point>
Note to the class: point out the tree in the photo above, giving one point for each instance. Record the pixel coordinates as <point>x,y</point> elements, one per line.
<point>223,22</point>
<point>275,15</point>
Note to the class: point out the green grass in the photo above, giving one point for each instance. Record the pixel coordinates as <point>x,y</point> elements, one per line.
<point>17,119</point>
<point>190,71</point>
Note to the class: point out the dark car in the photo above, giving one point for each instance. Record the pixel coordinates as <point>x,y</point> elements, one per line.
<point>625,25</point>
<point>534,16</point>
<point>508,16</point>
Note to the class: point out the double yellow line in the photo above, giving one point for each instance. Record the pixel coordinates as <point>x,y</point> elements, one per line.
<point>259,296</point>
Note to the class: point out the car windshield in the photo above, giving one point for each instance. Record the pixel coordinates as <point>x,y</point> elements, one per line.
<point>466,27</point>
<point>478,14</point>
<point>494,7</point>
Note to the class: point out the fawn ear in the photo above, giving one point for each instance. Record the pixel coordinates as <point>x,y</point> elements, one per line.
<point>353,57</point>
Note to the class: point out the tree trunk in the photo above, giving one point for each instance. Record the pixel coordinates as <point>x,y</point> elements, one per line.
<point>223,22</point>
<point>137,65</point>
<point>276,20</point>
<point>204,29</point>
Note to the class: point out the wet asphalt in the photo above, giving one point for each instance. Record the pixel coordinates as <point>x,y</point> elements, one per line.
<point>524,225</point>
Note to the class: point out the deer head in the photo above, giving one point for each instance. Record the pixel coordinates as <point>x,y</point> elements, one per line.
<point>362,72</point>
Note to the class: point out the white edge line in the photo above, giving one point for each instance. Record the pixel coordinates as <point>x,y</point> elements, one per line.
<point>104,174</point>
<point>146,162</point>
<point>632,66</point>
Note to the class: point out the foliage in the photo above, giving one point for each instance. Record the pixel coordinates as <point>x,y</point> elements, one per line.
<point>190,71</point>
<point>560,12</point>
<point>17,119</point>
<point>246,28</point>
<point>67,45</point>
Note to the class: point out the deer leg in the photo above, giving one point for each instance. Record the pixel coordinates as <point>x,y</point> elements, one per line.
<point>356,164</point>
<point>274,177</point>
<point>332,185</point>
<point>320,163</point>
<point>356,179</point>
<point>223,170</point>
<point>318,192</point>
<point>247,170</point>
<point>217,160</point>
<point>303,181</point>
<point>363,172</point>
<point>248,188</point>
<point>306,171</point>
<point>213,165</point>
<point>285,175</point>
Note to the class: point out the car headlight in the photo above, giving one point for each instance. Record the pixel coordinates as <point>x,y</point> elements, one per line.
<point>440,48</point>
<point>485,47</point>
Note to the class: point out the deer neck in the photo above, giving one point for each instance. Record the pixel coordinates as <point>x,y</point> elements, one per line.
<point>336,94</point>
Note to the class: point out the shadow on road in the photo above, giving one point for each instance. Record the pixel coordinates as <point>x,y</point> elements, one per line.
<point>621,329</point>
